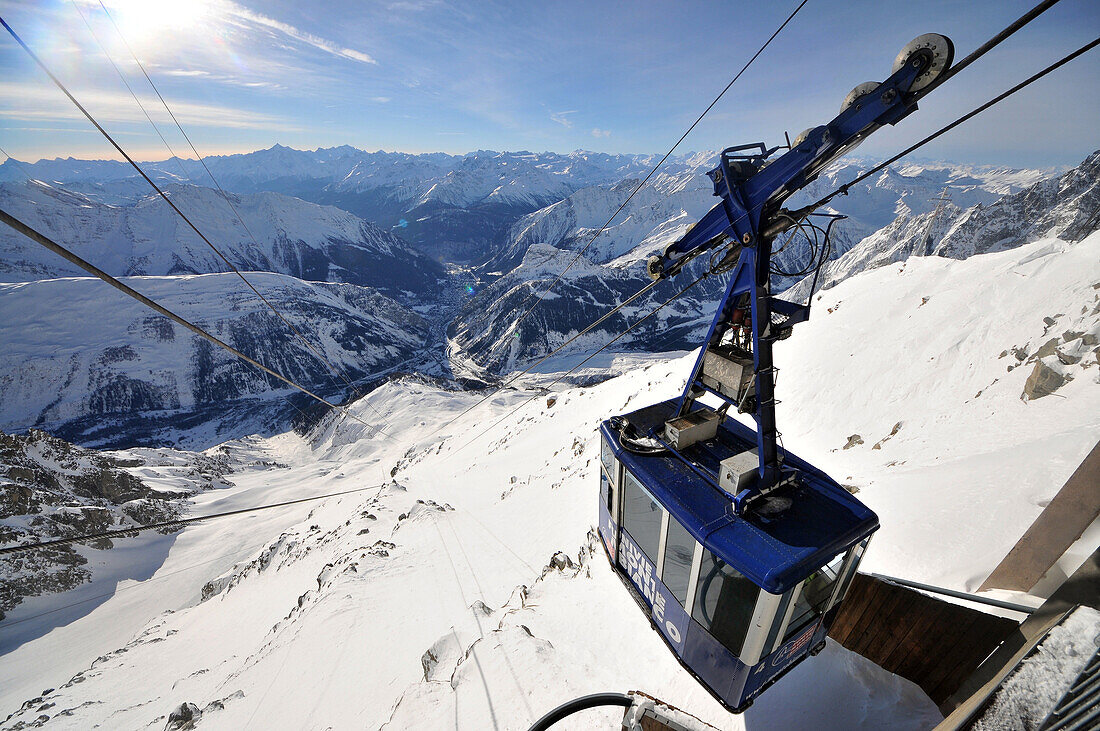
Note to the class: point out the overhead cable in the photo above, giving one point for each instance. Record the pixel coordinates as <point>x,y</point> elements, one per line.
<point>843,190</point>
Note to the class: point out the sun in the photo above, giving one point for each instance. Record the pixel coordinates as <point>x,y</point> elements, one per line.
<point>142,21</point>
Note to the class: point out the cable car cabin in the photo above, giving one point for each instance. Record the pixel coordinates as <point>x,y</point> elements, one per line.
<point>739,552</point>
<point>743,599</point>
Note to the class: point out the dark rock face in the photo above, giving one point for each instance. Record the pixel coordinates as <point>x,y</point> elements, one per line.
<point>183,717</point>
<point>52,489</point>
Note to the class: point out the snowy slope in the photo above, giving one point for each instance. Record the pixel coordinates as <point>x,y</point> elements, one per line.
<point>469,592</point>
<point>95,366</point>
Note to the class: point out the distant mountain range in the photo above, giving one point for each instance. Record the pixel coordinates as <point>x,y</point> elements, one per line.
<point>439,294</point>
<point>453,207</point>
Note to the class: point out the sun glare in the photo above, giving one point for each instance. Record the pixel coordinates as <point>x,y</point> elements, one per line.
<point>143,21</point>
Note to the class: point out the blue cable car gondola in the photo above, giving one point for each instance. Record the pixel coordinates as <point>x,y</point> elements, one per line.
<point>739,552</point>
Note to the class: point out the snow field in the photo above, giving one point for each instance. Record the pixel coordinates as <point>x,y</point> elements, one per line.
<point>475,598</point>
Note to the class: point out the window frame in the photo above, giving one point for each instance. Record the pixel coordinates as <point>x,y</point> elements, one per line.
<point>848,572</point>
<point>614,478</point>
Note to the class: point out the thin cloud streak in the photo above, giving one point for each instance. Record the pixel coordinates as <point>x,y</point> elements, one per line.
<point>34,102</point>
<point>321,44</point>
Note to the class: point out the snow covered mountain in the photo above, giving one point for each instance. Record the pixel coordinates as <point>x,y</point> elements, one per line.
<point>612,268</point>
<point>89,364</point>
<point>1065,206</point>
<point>485,335</point>
<point>280,234</point>
<point>467,592</point>
<point>451,206</point>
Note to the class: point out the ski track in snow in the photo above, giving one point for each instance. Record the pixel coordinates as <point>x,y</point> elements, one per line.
<point>469,594</point>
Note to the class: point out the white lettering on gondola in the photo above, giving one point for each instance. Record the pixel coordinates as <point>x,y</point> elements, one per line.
<point>642,573</point>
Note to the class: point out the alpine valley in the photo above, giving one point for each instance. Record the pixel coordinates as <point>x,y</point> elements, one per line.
<point>428,283</point>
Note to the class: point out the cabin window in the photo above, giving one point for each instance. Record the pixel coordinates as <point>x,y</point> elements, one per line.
<point>854,557</point>
<point>605,490</point>
<point>814,598</point>
<point>679,549</point>
<point>607,456</point>
<point>642,516</point>
<point>724,602</point>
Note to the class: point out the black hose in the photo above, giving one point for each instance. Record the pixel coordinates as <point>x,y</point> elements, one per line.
<point>581,704</point>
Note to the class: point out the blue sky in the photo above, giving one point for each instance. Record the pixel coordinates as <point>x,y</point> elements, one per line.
<point>426,75</point>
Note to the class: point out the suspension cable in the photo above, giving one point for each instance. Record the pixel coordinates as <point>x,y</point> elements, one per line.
<point>129,532</point>
<point>651,172</point>
<point>996,40</point>
<point>232,267</point>
<point>60,250</point>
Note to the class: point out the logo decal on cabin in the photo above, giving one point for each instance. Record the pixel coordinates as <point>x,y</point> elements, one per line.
<point>790,650</point>
<point>644,576</point>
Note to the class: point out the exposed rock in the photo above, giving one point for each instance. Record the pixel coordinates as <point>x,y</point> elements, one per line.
<point>183,717</point>
<point>52,489</point>
<point>853,441</point>
<point>1043,381</point>
<point>1050,347</point>
<point>897,427</point>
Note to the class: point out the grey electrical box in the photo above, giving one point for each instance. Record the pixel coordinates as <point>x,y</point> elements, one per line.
<point>697,426</point>
<point>738,472</point>
<point>729,371</point>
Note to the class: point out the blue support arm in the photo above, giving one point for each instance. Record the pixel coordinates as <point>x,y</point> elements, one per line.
<point>752,186</point>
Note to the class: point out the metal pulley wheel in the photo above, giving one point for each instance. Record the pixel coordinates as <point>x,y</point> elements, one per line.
<point>942,51</point>
<point>865,88</point>
<point>802,136</point>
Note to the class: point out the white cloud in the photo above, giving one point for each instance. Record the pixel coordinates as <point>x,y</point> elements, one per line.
<point>597,132</point>
<point>238,11</point>
<point>562,119</point>
<point>380,99</point>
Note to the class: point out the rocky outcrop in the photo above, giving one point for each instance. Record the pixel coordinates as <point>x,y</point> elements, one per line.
<point>51,489</point>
